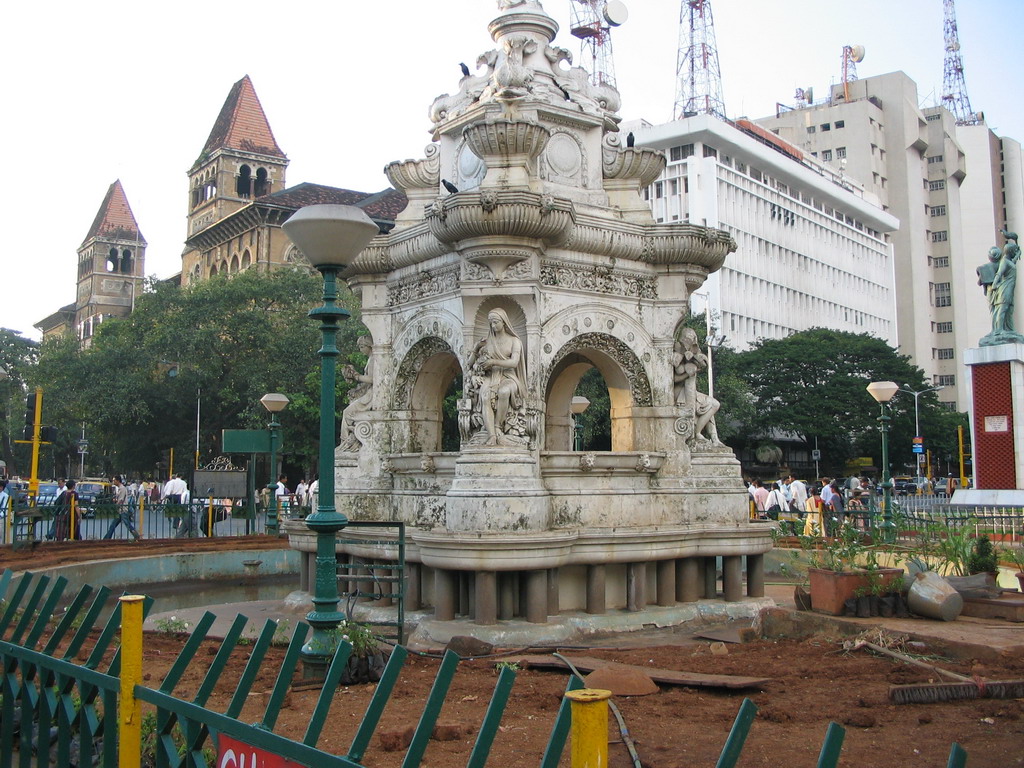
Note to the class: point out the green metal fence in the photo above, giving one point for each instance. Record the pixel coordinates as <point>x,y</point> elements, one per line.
<point>57,709</point>
<point>379,581</point>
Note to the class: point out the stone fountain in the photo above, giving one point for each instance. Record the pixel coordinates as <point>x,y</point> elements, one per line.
<point>527,256</point>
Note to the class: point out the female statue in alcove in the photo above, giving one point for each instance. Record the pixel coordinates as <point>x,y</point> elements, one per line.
<point>497,384</point>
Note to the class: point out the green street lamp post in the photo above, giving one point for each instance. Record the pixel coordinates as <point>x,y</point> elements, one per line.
<point>883,392</point>
<point>330,236</point>
<point>274,402</point>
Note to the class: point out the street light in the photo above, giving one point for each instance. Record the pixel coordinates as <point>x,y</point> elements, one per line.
<point>330,236</point>
<point>274,402</point>
<point>883,392</point>
<point>578,405</point>
<point>917,421</point>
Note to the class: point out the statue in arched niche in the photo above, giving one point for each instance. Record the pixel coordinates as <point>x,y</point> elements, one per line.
<point>360,397</point>
<point>496,384</point>
<point>687,362</point>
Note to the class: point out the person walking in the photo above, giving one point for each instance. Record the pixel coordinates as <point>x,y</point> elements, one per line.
<point>836,505</point>
<point>776,502</point>
<point>760,495</point>
<point>798,490</point>
<point>66,508</point>
<point>814,523</point>
<point>125,504</point>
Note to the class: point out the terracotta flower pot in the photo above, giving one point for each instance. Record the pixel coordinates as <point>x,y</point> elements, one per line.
<point>1020,580</point>
<point>830,589</point>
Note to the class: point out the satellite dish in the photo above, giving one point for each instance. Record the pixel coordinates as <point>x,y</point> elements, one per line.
<point>615,13</point>
<point>857,53</point>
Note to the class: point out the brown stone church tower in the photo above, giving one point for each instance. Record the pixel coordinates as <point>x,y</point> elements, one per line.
<point>240,162</point>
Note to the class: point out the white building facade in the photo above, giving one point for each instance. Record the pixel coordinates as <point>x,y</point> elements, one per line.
<point>813,248</point>
<point>951,187</point>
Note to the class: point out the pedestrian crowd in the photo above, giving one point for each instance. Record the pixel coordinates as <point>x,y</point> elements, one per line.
<point>823,507</point>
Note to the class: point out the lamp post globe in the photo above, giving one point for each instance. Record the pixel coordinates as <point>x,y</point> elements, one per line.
<point>883,392</point>
<point>331,237</point>
<point>274,402</point>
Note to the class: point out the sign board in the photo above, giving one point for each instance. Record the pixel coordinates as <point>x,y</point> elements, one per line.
<point>226,484</point>
<point>997,424</point>
<point>232,753</point>
<point>917,448</point>
<point>815,455</point>
<point>247,441</point>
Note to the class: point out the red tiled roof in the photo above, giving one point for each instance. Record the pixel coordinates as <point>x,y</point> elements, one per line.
<point>242,124</point>
<point>381,206</point>
<point>115,218</point>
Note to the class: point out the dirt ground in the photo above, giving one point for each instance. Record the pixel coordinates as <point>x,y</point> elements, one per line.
<point>812,682</point>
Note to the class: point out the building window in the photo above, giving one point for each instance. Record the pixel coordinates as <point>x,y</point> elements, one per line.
<point>673,186</point>
<point>840,123</point>
<point>710,151</point>
<point>945,353</point>
<point>944,327</point>
<point>934,159</point>
<point>840,151</point>
<point>945,380</point>
<point>659,190</point>
<point>826,155</point>
<point>933,117</point>
<point>681,152</point>
<point>938,210</point>
<point>812,129</point>
<point>949,405</point>
<point>826,126</point>
<point>939,237</point>
<point>935,186</point>
<point>755,174</point>
<point>940,261</point>
<point>942,295</point>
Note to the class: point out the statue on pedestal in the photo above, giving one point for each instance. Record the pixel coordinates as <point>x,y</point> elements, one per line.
<point>497,385</point>
<point>687,362</point>
<point>360,397</point>
<point>998,279</point>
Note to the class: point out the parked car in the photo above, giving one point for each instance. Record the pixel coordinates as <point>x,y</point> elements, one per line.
<point>47,494</point>
<point>903,485</point>
<point>91,494</point>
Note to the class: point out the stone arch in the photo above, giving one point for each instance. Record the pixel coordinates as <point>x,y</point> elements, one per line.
<point>623,372</point>
<point>233,267</point>
<point>246,260</point>
<point>421,383</point>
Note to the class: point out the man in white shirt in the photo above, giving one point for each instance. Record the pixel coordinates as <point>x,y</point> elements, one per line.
<point>798,492</point>
<point>826,491</point>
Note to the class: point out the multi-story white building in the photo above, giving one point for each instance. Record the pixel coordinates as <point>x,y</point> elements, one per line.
<point>951,187</point>
<point>813,245</point>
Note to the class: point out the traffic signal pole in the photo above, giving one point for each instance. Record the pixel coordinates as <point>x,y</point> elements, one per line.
<point>34,427</point>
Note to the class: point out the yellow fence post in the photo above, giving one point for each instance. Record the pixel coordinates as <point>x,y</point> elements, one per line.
<point>129,715</point>
<point>209,524</point>
<point>589,730</point>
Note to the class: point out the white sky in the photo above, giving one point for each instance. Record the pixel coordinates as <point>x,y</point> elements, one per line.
<point>116,89</point>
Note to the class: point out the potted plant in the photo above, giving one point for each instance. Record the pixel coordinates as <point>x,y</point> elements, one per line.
<point>1016,556</point>
<point>843,567</point>
<point>982,558</point>
<point>366,663</point>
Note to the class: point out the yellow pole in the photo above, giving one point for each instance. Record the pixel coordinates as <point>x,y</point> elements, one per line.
<point>960,440</point>
<point>129,714</point>
<point>209,530</point>
<point>170,471</point>
<point>589,727</point>
<point>33,480</point>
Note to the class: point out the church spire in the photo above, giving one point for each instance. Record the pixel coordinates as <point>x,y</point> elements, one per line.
<point>115,220</point>
<point>242,125</point>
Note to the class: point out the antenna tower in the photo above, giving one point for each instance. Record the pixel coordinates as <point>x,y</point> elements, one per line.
<point>592,21</point>
<point>954,89</point>
<point>852,55</point>
<point>698,77</point>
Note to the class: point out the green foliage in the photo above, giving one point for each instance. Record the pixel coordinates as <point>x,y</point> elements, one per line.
<point>17,356</point>
<point>223,342</point>
<point>171,626</point>
<point>1013,555</point>
<point>596,420</point>
<point>359,636</point>
<point>983,557</point>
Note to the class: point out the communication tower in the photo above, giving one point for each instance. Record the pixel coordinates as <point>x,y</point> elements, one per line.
<point>698,77</point>
<point>954,89</point>
<point>592,21</point>
<point>852,55</point>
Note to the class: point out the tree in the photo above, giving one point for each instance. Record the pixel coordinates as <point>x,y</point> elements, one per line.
<point>812,384</point>
<point>17,356</point>
<point>218,345</point>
